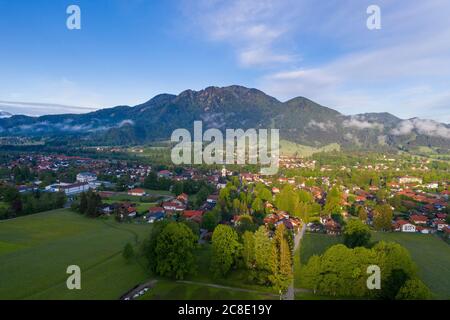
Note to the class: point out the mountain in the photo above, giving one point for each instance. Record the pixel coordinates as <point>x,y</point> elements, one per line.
<point>5,114</point>
<point>300,120</point>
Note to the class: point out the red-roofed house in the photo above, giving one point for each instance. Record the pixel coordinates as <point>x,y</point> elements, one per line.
<point>189,214</point>
<point>418,219</point>
<point>136,192</point>
<point>183,198</point>
<point>173,206</point>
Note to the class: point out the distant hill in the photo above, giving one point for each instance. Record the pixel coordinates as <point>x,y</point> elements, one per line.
<point>300,121</point>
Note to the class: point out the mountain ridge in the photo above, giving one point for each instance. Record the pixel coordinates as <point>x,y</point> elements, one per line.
<point>300,120</point>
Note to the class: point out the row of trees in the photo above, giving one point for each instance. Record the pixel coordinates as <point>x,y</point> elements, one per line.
<point>342,271</point>
<point>89,203</point>
<point>16,204</point>
<point>267,260</point>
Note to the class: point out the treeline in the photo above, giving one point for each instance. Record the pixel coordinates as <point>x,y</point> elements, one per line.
<point>265,256</point>
<point>88,203</point>
<point>342,271</point>
<point>16,204</point>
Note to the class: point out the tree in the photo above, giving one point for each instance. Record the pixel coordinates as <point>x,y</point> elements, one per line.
<point>248,250</point>
<point>396,267</point>
<point>175,251</point>
<point>414,289</point>
<point>287,199</point>
<point>94,203</point>
<point>257,205</point>
<point>149,245</point>
<point>225,250</point>
<point>341,271</point>
<point>281,263</point>
<point>246,224</point>
<point>263,255</point>
<point>195,228</point>
<point>333,202</point>
<point>356,234</point>
<point>128,252</point>
<point>382,217</point>
<point>362,214</point>
<point>201,196</point>
<point>211,219</point>
<point>83,203</point>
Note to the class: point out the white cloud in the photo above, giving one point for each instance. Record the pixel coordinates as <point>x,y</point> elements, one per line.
<point>253,28</point>
<point>421,126</point>
<point>324,126</point>
<point>361,124</point>
<point>343,64</point>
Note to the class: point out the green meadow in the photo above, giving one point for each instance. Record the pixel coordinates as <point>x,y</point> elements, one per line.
<point>171,290</point>
<point>430,253</point>
<point>36,250</point>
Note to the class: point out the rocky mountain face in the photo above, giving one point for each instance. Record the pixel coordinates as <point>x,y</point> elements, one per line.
<point>300,120</point>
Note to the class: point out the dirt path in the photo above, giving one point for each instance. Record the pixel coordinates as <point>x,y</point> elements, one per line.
<point>290,293</point>
<point>218,286</point>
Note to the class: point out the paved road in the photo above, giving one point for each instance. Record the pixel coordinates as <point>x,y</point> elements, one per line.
<point>129,295</point>
<point>290,293</point>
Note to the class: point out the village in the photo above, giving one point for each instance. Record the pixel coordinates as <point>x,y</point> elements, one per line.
<point>417,206</point>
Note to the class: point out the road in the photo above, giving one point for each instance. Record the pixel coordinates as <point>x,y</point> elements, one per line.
<point>290,293</point>
<point>129,295</point>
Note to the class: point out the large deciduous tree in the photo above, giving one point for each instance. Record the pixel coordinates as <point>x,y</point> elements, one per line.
<point>225,250</point>
<point>356,234</point>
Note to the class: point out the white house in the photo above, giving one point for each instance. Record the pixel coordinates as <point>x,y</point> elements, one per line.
<point>408,227</point>
<point>69,189</point>
<point>86,177</point>
<point>136,192</point>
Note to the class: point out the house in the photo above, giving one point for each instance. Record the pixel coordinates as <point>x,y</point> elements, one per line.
<point>26,189</point>
<point>423,230</point>
<point>440,225</point>
<point>69,189</point>
<point>447,232</point>
<point>136,192</point>
<point>432,185</point>
<point>164,174</point>
<point>417,219</point>
<point>404,226</point>
<point>131,211</point>
<point>409,179</point>
<point>183,198</point>
<point>173,206</point>
<point>212,199</point>
<point>190,214</point>
<point>86,177</point>
<point>155,214</point>
<point>107,209</point>
<point>332,227</point>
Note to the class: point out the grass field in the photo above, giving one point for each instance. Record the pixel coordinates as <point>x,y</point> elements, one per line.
<point>431,255</point>
<point>311,244</point>
<point>288,148</point>
<point>36,250</point>
<point>170,290</point>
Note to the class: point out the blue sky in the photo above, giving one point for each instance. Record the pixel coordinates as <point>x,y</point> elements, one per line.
<point>127,51</point>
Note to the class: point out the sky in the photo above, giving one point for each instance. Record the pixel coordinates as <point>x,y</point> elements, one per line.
<point>128,51</point>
